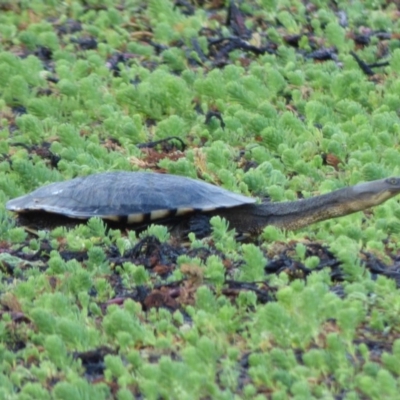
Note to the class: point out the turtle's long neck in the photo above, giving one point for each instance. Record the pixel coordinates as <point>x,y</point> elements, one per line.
<point>298,214</point>
<point>293,215</point>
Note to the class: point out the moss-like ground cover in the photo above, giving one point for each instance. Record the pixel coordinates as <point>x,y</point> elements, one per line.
<point>278,98</point>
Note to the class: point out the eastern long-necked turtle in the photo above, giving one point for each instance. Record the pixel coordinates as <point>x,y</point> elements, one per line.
<point>142,197</point>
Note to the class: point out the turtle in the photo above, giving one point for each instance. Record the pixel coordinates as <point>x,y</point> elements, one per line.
<point>140,198</point>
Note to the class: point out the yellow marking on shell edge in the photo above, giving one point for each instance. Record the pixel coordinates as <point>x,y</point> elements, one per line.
<point>159,214</point>
<point>207,209</point>
<point>115,218</point>
<point>183,211</point>
<point>135,218</point>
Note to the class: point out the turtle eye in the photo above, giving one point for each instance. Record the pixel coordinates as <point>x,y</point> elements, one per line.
<point>392,181</point>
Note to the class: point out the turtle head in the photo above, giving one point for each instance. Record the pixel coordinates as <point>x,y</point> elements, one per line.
<point>375,192</point>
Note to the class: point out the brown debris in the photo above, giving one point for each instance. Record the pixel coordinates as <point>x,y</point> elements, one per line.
<point>160,298</point>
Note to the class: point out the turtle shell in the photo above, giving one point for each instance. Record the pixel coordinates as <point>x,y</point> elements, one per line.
<point>130,197</point>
